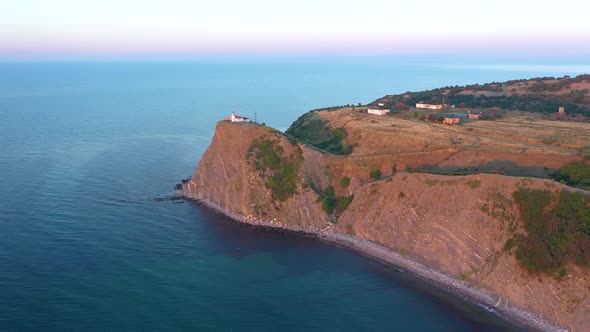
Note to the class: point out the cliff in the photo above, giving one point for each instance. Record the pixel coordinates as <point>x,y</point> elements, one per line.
<point>226,178</point>
<point>457,225</point>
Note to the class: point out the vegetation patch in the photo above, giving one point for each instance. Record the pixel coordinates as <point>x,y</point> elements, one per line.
<point>503,167</point>
<point>311,128</point>
<point>576,173</point>
<point>375,174</point>
<point>510,243</point>
<point>280,171</point>
<point>538,96</point>
<point>345,182</point>
<point>554,237</point>
<point>344,202</point>
<point>497,207</point>
<point>530,103</point>
<point>330,202</point>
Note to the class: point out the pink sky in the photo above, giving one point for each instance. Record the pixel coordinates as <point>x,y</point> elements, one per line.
<point>186,27</point>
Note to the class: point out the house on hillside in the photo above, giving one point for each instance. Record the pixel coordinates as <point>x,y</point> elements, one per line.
<point>377,111</point>
<point>236,118</point>
<point>451,120</point>
<point>429,106</point>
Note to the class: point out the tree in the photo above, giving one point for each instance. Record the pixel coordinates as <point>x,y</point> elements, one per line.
<point>376,174</point>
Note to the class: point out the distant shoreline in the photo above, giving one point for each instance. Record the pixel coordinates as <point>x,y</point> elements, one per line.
<point>517,316</point>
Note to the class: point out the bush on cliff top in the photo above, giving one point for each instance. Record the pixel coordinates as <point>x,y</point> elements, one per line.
<point>553,237</point>
<point>282,170</point>
<point>312,129</point>
<point>375,174</point>
<point>344,182</point>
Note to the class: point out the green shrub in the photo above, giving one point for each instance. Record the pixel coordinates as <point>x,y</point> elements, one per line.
<point>344,182</point>
<point>268,157</point>
<point>375,174</point>
<point>344,202</point>
<point>532,204</point>
<point>576,173</point>
<point>312,129</point>
<point>328,205</point>
<point>330,202</point>
<point>330,191</point>
<point>340,133</point>
<point>574,207</point>
<point>553,237</point>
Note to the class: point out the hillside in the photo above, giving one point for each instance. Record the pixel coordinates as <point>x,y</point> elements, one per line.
<point>542,94</point>
<point>517,144</point>
<point>516,235</point>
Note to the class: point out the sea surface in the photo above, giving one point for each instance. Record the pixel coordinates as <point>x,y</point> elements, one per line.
<point>89,151</point>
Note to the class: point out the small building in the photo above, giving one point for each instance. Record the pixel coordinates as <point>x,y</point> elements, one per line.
<point>561,110</point>
<point>381,104</point>
<point>451,121</point>
<point>430,106</point>
<point>479,114</point>
<point>236,118</point>
<point>377,111</point>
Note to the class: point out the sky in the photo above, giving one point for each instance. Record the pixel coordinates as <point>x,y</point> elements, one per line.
<point>225,27</point>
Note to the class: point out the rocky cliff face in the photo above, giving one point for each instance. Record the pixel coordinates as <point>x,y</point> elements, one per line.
<point>226,178</point>
<point>457,225</point>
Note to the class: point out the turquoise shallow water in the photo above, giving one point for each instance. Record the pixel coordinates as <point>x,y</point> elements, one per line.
<point>85,148</point>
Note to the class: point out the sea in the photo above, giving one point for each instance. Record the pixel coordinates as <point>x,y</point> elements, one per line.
<point>90,152</point>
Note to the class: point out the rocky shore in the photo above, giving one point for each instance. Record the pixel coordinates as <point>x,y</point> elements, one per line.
<point>460,289</point>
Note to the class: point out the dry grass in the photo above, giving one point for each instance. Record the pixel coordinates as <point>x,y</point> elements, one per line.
<point>523,138</point>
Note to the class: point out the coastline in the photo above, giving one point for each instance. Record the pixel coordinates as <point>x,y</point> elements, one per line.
<point>518,316</point>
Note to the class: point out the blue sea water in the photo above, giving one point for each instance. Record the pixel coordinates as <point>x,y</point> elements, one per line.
<point>86,148</point>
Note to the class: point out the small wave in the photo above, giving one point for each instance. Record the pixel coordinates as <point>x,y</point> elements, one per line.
<point>490,309</point>
<point>174,198</point>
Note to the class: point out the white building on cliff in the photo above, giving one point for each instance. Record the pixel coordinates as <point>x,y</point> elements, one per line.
<point>236,118</point>
<point>430,106</point>
<point>377,111</point>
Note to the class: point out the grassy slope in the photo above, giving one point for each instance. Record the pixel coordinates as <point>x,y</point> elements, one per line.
<point>543,94</point>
